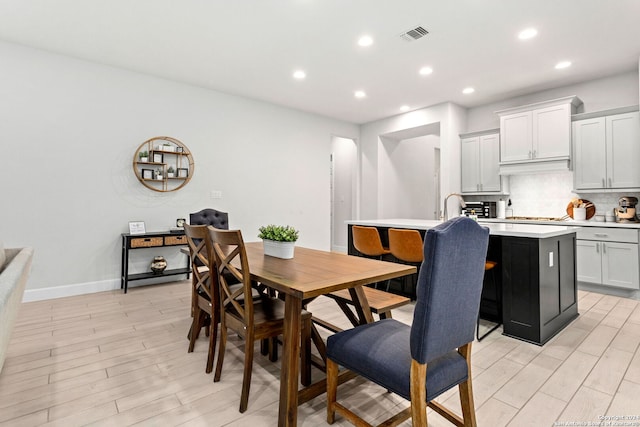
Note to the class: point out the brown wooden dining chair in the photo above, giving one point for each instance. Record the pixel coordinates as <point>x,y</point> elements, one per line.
<point>252,320</point>
<point>406,247</point>
<point>205,308</point>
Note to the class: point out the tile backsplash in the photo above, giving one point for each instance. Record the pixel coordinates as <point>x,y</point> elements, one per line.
<point>548,194</point>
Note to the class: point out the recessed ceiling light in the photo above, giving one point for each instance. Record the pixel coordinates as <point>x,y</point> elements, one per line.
<point>359,94</point>
<point>299,74</point>
<point>365,41</point>
<point>404,108</point>
<point>563,64</point>
<point>468,90</point>
<point>529,33</point>
<point>425,71</point>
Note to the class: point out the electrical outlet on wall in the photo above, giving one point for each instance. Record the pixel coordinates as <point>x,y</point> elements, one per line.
<point>216,194</point>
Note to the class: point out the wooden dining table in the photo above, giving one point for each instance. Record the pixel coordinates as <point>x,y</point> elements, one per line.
<point>309,274</point>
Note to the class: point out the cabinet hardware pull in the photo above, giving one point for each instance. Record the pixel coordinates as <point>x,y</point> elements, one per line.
<point>609,182</point>
<point>601,235</point>
<point>597,248</point>
<point>148,239</point>
<point>604,248</point>
<point>530,154</point>
<point>534,154</point>
<point>604,184</point>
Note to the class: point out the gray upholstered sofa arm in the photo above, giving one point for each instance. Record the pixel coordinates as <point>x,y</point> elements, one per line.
<point>13,278</point>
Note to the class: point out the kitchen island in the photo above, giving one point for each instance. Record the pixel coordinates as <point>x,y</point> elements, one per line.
<point>536,283</point>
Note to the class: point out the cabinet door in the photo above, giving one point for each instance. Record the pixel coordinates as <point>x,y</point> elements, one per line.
<point>516,137</point>
<point>588,261</point>
<point>551,132</point>
<point>623,150</point>
<point>470,173</point>
<point>490,162</point>
<point>520,288</point>
<point>620,265</point>
<point>589,163</point>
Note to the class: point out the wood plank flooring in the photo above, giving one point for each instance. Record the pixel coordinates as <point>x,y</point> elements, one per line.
<point>110,359</point>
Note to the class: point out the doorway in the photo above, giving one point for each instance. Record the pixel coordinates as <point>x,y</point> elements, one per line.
<point>343,168</point>
<point>409,166</point>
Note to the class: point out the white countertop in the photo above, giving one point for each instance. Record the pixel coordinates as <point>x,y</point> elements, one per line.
<point>589,223</point>
<point>512,229</point>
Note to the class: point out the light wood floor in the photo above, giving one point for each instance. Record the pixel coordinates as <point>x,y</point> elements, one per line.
<point>114,359</point>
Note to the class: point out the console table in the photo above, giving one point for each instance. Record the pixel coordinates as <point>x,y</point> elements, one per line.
<point>145,241</point>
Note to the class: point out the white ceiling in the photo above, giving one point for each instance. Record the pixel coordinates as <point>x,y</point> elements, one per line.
<point>251,47</point>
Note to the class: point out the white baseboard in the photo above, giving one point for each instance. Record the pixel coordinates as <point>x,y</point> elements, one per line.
<point>90,288</point>
<point>341,249</point>
<point>70,290</point>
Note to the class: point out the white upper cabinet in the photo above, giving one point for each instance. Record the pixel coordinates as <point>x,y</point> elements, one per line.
<point>480,157</point>
<point>552,132</point>
<point>517,129</point>
<point>607,150</point>
<point>537,134</point>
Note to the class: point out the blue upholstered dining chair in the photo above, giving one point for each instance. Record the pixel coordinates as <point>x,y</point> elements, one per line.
<point>424,360</point>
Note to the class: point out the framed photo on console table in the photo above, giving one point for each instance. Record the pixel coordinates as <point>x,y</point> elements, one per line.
<point>136,227</point>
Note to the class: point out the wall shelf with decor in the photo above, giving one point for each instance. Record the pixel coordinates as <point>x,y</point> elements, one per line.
<point>163,164</point>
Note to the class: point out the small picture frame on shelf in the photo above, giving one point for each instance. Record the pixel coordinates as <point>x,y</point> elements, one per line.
<point>158,157</point>
<point>179,149</point>
<point>183,172</point>
<point>136,227</point>
<point>147,173</point>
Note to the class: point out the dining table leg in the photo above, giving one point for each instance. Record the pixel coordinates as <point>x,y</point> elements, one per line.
<point>288,410</point>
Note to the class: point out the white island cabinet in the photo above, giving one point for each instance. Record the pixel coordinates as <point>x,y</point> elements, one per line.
<point>607,149</point>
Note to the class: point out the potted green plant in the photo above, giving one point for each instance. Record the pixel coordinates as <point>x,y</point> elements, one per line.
<point>171,172</point>
<point>143,156</point>
<point>278,240</point>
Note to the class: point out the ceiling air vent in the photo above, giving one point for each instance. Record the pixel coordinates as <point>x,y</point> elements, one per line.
<point>414,34</point>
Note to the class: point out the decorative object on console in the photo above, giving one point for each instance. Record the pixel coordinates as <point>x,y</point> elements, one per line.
<point>180,222</point>
<point>158,265</point>
<point>136,227</point>
<point>171,155</point>
<point>278,240</point>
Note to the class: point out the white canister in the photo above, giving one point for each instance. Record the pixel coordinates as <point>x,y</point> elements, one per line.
<point>580,214</point>
<point>501,209</point>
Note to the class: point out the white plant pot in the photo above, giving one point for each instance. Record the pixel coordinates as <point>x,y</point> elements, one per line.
<point>144,159</point>
<point>171,174</point>
<point>282,250</point>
